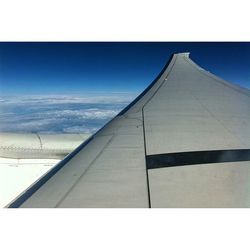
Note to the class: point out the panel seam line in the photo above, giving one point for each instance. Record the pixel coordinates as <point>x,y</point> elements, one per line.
<point>144,132</point>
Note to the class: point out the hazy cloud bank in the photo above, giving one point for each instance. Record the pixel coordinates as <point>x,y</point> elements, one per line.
<point>60,113</point>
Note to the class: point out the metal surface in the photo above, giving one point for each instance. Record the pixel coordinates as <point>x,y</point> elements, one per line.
<point>185,109</point>
<point>35,146</point>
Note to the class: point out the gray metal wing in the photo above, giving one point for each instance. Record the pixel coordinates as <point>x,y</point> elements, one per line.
<point>184,142</point>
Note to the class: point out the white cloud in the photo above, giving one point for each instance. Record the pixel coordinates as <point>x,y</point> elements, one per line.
<point>80,129</point>
<point>118,97</point>
<point>85,114</point>
<point>57,114</point>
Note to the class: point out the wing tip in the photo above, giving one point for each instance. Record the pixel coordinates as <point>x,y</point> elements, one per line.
<point>185,54</point>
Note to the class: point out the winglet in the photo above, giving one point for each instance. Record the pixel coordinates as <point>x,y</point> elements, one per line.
<point>185,54</point>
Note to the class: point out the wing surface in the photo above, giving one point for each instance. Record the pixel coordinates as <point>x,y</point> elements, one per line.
<point>184,142</point>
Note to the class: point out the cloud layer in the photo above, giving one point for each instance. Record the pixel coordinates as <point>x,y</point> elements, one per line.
<point>60,113</point>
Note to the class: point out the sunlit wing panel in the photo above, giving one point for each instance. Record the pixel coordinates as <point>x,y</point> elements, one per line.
<point>110,169</point>
<point>197,130</point>
<point>184,142</point>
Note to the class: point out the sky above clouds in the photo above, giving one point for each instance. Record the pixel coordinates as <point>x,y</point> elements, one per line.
<point>66,68</point>
<point>78,87</point>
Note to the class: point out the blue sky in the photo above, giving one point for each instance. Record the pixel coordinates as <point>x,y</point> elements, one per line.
<point>78,68</point>
<point>78,87</point>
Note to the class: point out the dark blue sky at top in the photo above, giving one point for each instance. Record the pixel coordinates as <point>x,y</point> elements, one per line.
<point>78,68</point>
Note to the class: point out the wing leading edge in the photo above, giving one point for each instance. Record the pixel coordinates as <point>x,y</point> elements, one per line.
<point>186,109</point>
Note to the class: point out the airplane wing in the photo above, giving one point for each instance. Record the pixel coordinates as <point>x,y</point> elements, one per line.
<point>184,142</point>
